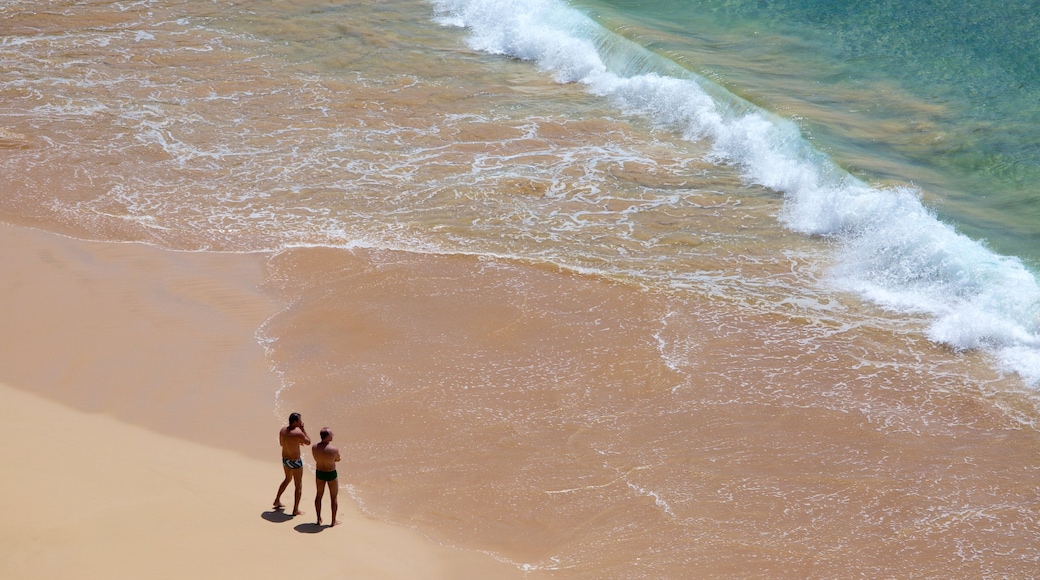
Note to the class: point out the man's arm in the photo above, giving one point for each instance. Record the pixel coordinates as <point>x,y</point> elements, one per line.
<point>306,440</point>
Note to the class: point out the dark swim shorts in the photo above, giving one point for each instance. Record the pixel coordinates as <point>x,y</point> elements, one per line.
<point>325,475</point>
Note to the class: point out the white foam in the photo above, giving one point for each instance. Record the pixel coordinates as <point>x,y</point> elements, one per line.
<point>892,249</point>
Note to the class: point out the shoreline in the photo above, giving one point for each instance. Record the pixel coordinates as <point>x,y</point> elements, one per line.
<point>152,337</point>
<point>173,415</point>
<point>139,370</point>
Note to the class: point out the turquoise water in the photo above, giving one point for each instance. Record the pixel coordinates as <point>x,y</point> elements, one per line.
<point>941,94</point>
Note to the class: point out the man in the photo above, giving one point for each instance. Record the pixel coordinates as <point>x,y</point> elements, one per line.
<point>291,438</point>
<point>325,458</point>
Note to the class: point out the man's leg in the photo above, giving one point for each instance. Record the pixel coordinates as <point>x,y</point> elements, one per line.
<point>317,497</point>
<point>333,492</point>
<point>281,488</point>
<point>297,475</point>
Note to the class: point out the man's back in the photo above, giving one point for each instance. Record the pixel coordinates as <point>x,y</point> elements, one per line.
<point>291,439</point>
<point>325,456</point>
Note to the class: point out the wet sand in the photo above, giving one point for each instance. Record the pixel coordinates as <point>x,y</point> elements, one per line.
<point>589,429</point>
<point>140,412</point>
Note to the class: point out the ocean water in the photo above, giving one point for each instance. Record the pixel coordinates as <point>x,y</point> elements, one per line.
<point>942,95</point>
<point>605,289</point>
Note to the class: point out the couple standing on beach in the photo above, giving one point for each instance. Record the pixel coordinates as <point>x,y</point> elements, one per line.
<point>291,438</point>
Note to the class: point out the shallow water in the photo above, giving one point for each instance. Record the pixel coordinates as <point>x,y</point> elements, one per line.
<point>603,311</point>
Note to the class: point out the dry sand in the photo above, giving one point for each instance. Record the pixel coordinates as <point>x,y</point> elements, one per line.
<point>140,430</point>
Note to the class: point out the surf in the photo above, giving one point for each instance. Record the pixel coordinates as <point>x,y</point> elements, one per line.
<point>889,248</point>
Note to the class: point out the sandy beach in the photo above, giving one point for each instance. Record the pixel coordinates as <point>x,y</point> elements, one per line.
<point>139,411</point>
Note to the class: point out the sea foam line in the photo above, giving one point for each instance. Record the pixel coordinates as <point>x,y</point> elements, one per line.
<point>892,250</point>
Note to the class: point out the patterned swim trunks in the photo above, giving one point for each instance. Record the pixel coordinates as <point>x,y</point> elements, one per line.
<point>292,463</point>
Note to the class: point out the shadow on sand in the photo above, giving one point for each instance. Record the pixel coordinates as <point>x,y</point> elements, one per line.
<point>309,528</point>
<point>276,516</point>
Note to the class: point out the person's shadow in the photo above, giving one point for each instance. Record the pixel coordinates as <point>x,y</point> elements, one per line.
<point>276,516</point>
<point>309,528</point>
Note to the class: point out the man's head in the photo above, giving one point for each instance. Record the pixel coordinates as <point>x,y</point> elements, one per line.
<point>294,419</point>
<point>326,434</point>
